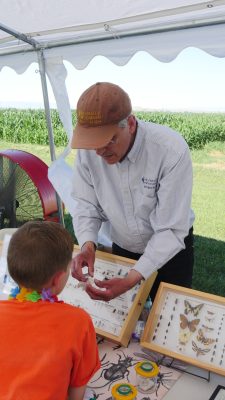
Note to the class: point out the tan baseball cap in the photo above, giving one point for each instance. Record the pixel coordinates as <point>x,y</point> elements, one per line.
<point>99,109</point>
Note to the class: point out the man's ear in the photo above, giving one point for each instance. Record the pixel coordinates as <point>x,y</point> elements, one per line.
<point>132,124</point>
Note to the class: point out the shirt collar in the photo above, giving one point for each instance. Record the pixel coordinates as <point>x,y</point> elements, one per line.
<point>134,151</point>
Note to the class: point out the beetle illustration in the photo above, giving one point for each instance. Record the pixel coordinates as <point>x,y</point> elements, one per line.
<point>100,340</point>
<point>160,359</point>
<point>164,379</point>
<point>114,372</point>
<point>93,395</point>
<point>117,346</point>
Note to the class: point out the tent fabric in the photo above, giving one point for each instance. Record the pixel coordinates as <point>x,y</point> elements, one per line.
<point>164,47</point>
<point>116,29</point>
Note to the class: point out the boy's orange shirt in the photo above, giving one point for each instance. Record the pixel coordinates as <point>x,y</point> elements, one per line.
<point>45,348</point>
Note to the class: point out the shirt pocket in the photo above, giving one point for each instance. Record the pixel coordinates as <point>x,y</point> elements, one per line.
<point>146,203</point>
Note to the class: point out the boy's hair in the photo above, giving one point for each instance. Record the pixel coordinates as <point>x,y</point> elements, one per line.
<point>37,250</point>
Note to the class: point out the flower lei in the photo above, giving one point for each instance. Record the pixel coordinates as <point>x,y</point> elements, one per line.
<point>22,294</point>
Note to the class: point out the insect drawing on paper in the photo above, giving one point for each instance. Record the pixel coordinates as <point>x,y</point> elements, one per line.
<point>199,351</point>
<point>204,340</point>
<point>91,395</point>
<point>195,310</point>
<point>113,372</point>
<point>164,378</point>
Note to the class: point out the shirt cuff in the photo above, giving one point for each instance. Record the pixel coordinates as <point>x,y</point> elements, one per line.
<point>142,266</point>
<point>87,237</point>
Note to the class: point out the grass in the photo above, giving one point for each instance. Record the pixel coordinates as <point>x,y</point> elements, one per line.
<point>41,151</point>
<point>209,227</point>
<point>209,190</point>
<point>208,204</point>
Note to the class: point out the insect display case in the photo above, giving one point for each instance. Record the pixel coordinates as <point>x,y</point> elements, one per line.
<point>188,325</point>
<point>114,320</point>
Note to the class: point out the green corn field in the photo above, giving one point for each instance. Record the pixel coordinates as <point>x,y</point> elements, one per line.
<point>29,126</point>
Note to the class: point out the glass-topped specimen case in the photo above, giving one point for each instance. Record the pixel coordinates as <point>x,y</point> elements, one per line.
<point>116,319</point>
<point>188,325</point>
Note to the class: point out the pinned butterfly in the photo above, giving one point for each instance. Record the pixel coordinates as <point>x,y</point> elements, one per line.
<point>187,327</point>
<point>195,310</point>
<point>191,325</point>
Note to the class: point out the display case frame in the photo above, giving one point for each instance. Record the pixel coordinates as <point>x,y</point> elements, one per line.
<point>187,325</point>
<point>123,325</point>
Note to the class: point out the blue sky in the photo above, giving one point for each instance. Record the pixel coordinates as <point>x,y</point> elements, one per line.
<point>194,81</point>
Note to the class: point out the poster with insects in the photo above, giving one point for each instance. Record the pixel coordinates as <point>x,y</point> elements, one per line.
<point>188,325</point>
<point>116,319</point>
<point>118,366</point>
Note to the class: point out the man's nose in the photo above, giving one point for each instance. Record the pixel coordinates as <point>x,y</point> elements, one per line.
<point>100,151</point>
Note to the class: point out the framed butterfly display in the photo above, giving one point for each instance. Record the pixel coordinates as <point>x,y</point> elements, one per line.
<point>188,325</point>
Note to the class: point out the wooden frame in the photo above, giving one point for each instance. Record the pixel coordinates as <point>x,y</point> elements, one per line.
<point>219,393</point>
<point>114,320</point>
<point>187,325</point>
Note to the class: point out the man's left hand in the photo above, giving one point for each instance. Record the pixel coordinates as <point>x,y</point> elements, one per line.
<point>111,288</point>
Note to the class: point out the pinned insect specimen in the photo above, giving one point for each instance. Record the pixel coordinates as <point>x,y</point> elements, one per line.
<point>185,323</point>
<point>207,328</point>
<point>210,312</point>
<point>204,340</point>
<point>209,319</point>
<point>198,350</point>
<point>192,309</point>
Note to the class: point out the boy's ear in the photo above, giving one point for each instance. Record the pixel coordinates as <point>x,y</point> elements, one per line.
<point>56,278</point>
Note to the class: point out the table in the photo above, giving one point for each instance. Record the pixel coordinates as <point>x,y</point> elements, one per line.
<point>122,360</point>
<point>172,384</point>
<point>190,387</point>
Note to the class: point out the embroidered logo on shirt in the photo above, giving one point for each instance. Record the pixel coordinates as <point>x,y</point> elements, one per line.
<point>149,183</point>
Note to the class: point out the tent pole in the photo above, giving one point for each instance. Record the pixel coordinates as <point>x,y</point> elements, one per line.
<point>41,62</point>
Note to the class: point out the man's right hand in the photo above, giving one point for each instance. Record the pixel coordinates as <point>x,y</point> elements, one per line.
<point>85,258</point>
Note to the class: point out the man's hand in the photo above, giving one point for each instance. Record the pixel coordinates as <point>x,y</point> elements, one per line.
<point>85,258</point>
<point>113,287</point>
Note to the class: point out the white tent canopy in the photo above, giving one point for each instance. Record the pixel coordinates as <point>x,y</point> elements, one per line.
<point>77,31</point>
<point>49,32</point>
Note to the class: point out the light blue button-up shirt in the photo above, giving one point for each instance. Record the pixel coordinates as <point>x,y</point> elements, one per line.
<point>146,198</point>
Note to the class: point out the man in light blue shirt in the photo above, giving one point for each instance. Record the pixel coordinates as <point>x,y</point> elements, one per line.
<point>137,176</point>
